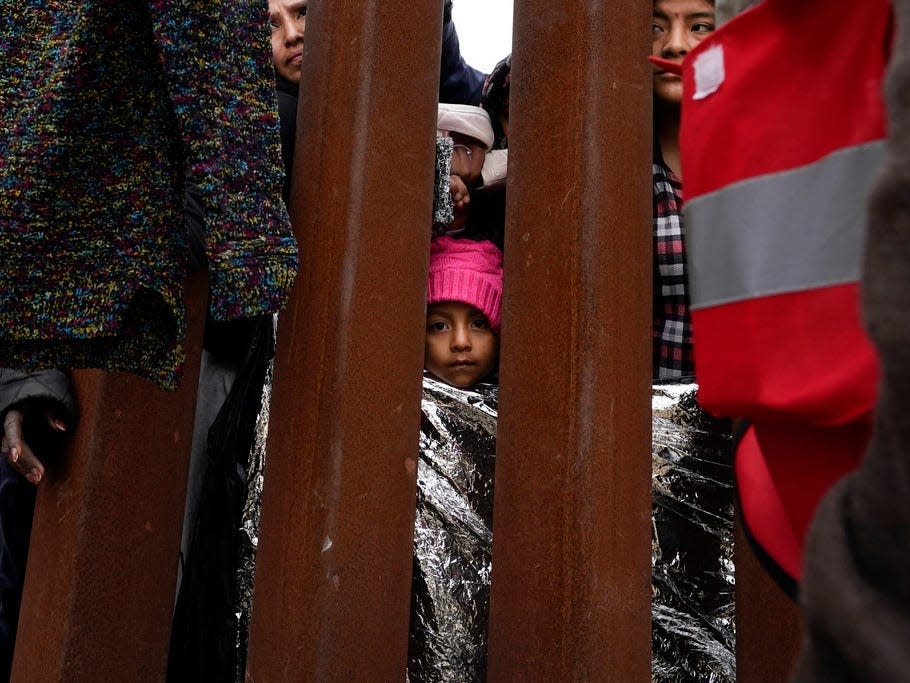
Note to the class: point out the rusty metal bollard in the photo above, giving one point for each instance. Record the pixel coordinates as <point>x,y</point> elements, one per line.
<point>102,565</point>
<point>571,527</point>
<point>333,575</point>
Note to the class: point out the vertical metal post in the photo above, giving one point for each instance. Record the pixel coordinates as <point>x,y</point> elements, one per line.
<point>102,565</point>
<point>768,627</point>
<point>571,538</point>
<point>333,574</point>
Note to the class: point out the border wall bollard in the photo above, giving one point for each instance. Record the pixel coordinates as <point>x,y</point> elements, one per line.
<point>768,627</point>
<point>571,598</point>
<point>102,565</point>
<point>333,570</point>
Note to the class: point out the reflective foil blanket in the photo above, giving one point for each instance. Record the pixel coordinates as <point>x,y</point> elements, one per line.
<point>692,546</point>
<point>692,608</point>
<point>453,533</point>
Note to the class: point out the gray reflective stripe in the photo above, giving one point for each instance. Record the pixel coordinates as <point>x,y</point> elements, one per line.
<point>784,232</point>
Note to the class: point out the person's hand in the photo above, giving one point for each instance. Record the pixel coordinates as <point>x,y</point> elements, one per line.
<point>460,195</point>
<point>14,446</point>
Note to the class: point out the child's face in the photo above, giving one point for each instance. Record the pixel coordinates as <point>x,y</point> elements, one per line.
<point>461,349</point>
<point>677,27</point>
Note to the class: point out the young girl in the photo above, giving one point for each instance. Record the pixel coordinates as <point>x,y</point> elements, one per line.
<point>463,299</point>
<point>453,526</point>
<point>692,564</point>
<point>677,27</point>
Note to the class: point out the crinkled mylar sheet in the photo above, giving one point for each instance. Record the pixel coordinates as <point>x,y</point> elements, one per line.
<point>691,551</point>
<point>692,609</point>
<point>453,536</point>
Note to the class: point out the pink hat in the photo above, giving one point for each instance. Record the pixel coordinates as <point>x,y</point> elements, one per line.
<point>467,271</point>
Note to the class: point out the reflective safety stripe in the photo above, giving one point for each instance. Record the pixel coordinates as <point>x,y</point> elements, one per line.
<point>785,232</point>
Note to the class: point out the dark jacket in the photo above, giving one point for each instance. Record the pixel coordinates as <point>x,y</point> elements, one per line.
<point>50,385</point>
<point>287,112</point>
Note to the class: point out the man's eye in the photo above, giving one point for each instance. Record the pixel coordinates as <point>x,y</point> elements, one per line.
<point>656,28</point>
<point>302,13</point>
<point>467,150</point>
<point>703,28</point>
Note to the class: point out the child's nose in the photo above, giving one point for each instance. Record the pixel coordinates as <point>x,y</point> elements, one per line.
<point>461,338</point>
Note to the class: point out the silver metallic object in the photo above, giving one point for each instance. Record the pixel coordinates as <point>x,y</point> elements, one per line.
<point>693,634</point>
<point>693,601</point>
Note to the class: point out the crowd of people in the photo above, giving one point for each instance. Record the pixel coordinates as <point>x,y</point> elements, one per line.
<point>464,299</point>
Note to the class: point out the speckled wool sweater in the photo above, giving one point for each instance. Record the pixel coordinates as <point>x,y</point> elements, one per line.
<point>106,107</point>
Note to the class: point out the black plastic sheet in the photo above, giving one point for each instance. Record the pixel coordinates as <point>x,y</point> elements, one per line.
<point>693,601</point>
<point>205,627</point>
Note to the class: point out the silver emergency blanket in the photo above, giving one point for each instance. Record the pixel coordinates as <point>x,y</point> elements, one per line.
<point>453,533</point>
<point>692,543</point>
<point>692,607</point>
<point>249,536</point>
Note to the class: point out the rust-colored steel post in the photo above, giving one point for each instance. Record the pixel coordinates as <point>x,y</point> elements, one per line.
<point>571,593</point>
<point>768,632</point>
<point>102,565</point>
<point>333,574</point>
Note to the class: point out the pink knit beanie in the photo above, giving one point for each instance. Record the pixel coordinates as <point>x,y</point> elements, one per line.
<point>466,271</point>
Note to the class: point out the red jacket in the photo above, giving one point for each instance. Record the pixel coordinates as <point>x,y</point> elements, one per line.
<point>782,134</point>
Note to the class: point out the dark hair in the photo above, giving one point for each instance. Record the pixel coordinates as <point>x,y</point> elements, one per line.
<point>494,95</point>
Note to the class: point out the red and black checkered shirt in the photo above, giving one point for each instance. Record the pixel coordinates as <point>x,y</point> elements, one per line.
<point>672,331</point>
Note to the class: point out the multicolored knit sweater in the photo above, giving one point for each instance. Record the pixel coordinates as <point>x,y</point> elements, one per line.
<point>106,108</point>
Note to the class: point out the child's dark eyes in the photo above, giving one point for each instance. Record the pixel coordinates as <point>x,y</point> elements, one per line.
<point>480,323</point>
<point>437,326</point>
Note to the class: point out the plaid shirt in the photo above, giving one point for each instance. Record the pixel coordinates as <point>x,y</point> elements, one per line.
<point>672,330</point>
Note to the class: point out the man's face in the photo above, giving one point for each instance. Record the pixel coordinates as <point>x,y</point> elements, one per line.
<point>677,27</point>
<point>461,349</point>
<point>288,19</point>
<point>467,158</point>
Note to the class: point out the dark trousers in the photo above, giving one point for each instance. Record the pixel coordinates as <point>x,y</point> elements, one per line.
<point>17,505</point>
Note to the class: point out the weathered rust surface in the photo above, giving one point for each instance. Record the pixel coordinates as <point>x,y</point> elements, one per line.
<point>332,593</point>
<point>102,567</point>
<point>571,537</point>
<point>768,625</point>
